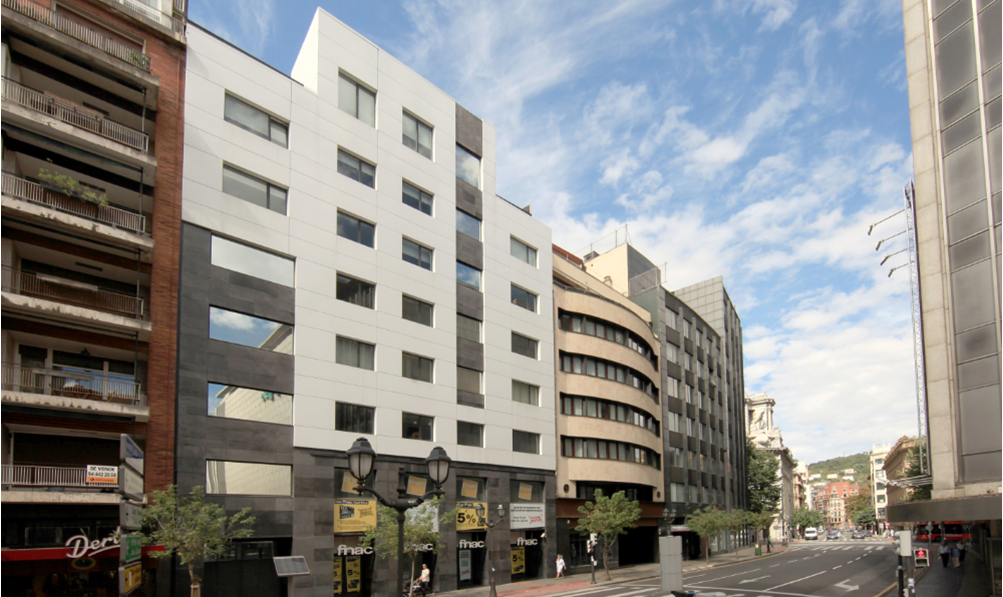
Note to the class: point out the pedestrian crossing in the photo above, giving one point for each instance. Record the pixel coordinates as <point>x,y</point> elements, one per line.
<point>854,547</point>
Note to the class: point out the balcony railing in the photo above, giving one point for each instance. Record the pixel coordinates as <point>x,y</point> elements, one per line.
<point>19,188</point>
<point>71,292</point>
<point>70,384</point>
<point>73,115</point>
<point>80,32</point>
<point>26,475</point>
<point>174,24</point>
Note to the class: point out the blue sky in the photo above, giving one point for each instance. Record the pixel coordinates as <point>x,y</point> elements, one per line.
<point>754,139</point>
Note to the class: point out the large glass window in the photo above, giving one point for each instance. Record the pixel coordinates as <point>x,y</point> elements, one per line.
<point>587,365</point>
<point>253,262</point>
<point>522,251</point>
<point>468,276</point>
<point>354,229</point>
<point>355,291</point>
<point>357,100</point>
<point>417,198</point>
<point>417,135</point>
<point>354,418</point>
<point>468,167</point>
<point>468,380</point>
<point>525,442</point>
<point>247,330</point>
<point>468,328</point>
<point>525,393</point>
<point>247,478</point>
<point>527,347</point>
<point>414,253</point>
<point>573,447</point>
<point>416,367</point>
<point>416,427</point>
<point>584,406</point>
<point>254,190</point>
<point>523,298</point>
<point>356,169</point>
<point>416,310</point>
<point>469,434</point>
<point>258,122</point>
<point>234,402</point>
<point>354,353</point>
<point>468,224</point>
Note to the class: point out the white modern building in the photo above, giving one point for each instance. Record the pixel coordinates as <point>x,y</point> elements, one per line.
<point>350,211</point>
<point>879,490</point>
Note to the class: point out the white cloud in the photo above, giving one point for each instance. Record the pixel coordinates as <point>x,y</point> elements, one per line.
<point>775,12</point>
<point>617,166</point>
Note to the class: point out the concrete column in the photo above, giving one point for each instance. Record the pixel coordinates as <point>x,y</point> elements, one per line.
<point>670,551</point>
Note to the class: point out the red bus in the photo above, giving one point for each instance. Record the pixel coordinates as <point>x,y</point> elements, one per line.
<point>951,531</point>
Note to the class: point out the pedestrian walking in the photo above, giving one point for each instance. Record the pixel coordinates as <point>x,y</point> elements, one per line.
<point>955,556</point>
<point>560,567</point>
<point>945,552</point>
<point>769,544</point>
<point>962,548</point>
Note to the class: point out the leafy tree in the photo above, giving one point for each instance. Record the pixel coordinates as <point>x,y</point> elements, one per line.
<point>191,528</point>
<point>760,521</point>
<point>707,523</point>
<point>913,469</point>
<point>419,530</point>
<point>861,501</point>
<point>609,517</point>
<point>802,518</point>
<point>734,523</point>
<point>764,488</point>
<point>865,517</point>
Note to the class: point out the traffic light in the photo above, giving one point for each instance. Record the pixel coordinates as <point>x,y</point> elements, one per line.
<point>921,558</point>
<point>903,543</point>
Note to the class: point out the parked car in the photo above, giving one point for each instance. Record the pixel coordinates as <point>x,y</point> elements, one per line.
<point>859,535</point>
<point>832,536</point>
<point>811,534</point>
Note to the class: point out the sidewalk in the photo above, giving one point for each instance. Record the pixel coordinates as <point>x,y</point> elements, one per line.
<point>971,580</point>
<point>550,586</point>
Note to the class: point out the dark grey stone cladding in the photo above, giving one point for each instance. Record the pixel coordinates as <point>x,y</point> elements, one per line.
<point>469,131</point>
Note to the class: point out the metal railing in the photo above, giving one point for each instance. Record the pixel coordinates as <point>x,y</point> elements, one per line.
<point>70,114</point>
<point>71,293</point>
<point>19,188</point>
<point>174,24</point>
<point>26,475</point>
<point>80,32</point>
<point>70,384</point>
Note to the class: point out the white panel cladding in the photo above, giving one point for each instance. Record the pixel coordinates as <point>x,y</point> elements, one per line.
<point>308,168</point>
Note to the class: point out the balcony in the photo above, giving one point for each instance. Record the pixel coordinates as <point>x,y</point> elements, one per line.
<point>76,385</point>
<point>175,24</point>
<point>26,475</point>
<point>74,115</point>
<point>80,32</point>
<point>71,292</point>
<point>20,188</point>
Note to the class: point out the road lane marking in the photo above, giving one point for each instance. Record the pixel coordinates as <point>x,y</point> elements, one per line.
<point>794,581</point>
<point>742,582</point>
<point>838,567</point>
<point>727,591</point>
<point>730,575</point>
<point>848,588</point>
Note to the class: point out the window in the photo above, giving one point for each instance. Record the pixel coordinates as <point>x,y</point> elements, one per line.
<point>468,327</point>
<point>671,353</point>
<point>253,262</point>
<point>254,190</point>
<point>522,251</point>
<point>468,167</point>
<point>416,367</point>
<point>252,119</point>
<point>354,418</point>
<point>416,310</point>
<point>232,402</point>
<point>671,319</point>
<point>416,427</point>
<point>525,393</point>
<point>356,169</point>
<point>357,100</point>
<point>523,298</point>
<point>247,330</point>
<point>247,478</point>
<point>417,135</point>
<point>416,198</point>
<point>525,442</point>
<point>468,276</point>
<point>523,345</point>
<point>469,434</point>
<point>354,353</point>
<point>468,224</point>
<point>356,230</point>
<point>414,253</point>
<point>468,380</point>
<point>355,291</point>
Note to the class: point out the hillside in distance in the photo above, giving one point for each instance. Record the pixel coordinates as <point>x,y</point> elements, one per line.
<point>860,463</point>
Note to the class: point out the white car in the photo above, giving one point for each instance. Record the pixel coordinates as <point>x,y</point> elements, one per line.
<point>811,534</point>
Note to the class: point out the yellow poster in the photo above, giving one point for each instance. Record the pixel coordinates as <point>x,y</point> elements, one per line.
<point>466,517</point>
<point>349,483</point>
<point>353,515</point>
<point>338,588</point>
<point>468,488</point>
<point>353,573</point>
<point>525,492</point>
<point>416,485</point>
<point>518,560</point>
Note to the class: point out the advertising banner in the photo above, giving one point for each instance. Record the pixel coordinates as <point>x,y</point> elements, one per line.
<point>353,515</point>
<point>130,453</point>
<point>131,484</point>
<point>416,485</point>
<point>338,585</point>
<point>465,564</point>
<point>468,488</point>
<point>349,483</point>
<point>129,578</point>
<point>466,517</point>
<point>526,516</point>
<point>525,492</point>
<point>97,473</point>
<point>518,560</point>
<point>353,573</point>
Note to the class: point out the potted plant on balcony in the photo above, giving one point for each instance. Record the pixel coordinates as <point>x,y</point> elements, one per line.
<point>62,183</point>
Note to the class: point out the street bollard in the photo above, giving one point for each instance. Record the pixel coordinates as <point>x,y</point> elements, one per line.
<point>759,549</point>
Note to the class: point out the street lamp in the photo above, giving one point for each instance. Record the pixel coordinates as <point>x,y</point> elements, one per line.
<point>361,458</point>
<point>668,517</point>
<point>479,509</point>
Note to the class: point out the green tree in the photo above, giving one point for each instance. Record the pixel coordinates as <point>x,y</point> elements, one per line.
<point>420,529</point>
<point>764,488</point>
<point>734,523</point>
<point>72,187</point>
<point>913,469</point>
<point>858,502</point>
<point>609,517</point>
<point>865,517</point>
<point>191,528</point>
<point>760,521</point>
<point>706,523</point>
<point>803,518</point>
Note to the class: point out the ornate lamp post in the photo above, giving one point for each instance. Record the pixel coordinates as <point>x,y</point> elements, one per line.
<point>481,518</point>
<point>668,517</point>
<point>361,458</point>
